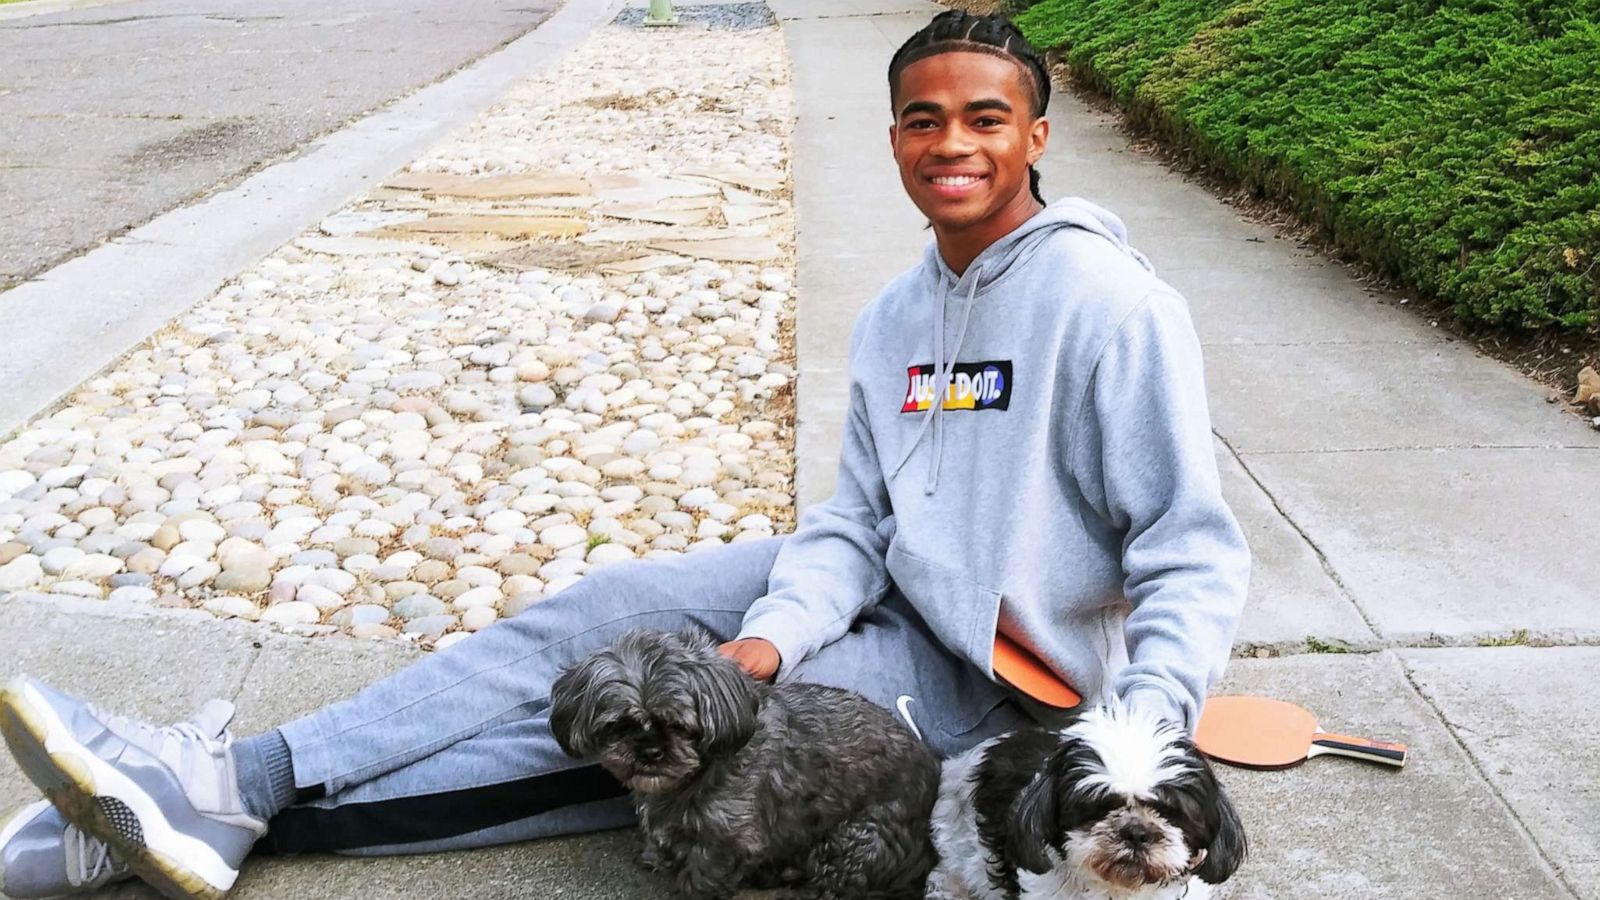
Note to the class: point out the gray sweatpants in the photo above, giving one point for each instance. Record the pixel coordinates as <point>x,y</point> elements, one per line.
<point>455,751</point>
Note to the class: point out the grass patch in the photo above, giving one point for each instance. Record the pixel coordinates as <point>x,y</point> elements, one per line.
<point>1518,638</point>
<point>1452,144</point>
<point>1317,645</point>
<point>596,540</point>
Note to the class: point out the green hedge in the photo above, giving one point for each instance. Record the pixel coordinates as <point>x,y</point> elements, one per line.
<point>1454,144</point>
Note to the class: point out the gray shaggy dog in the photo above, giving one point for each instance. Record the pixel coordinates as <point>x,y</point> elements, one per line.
<point>738,783</point>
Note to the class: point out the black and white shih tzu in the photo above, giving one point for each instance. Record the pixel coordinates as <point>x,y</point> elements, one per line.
<point>808,788</point>
<point>1116,806</point>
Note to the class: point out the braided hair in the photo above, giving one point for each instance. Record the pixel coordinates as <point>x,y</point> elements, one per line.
<point>955,31</point>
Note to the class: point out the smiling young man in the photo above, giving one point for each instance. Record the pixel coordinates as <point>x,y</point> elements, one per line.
<point>1027,461</point>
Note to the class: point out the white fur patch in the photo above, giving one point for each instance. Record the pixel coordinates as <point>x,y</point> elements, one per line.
<point>962,873</point>
<point>1137,751</point>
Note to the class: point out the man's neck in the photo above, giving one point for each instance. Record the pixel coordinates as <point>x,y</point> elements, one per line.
<point>960,247</point>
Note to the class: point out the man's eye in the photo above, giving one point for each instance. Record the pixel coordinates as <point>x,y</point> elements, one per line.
<point>989,122</point>
<point>920,124</point>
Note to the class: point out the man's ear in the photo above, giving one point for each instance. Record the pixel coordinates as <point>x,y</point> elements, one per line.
<point>894,135</point>
<point>1038,137</point>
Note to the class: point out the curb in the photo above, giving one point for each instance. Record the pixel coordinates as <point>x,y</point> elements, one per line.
<point>82,316</point>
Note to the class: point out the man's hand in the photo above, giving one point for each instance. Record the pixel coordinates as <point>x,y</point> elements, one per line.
<point>754,655</point>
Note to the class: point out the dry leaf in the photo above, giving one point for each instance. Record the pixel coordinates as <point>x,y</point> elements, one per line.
<point>1588,387</point>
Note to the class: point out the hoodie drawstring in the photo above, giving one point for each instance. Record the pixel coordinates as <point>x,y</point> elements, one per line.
<point>943,373</point>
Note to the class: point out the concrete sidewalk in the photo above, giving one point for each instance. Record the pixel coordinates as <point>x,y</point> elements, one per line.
<point>1400,493</point>
<point>1405,498</point>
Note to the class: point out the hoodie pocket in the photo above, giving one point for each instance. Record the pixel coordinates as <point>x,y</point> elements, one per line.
<point>963,615</point>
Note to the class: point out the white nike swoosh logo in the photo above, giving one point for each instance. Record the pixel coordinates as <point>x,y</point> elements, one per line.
<point>904,706</point>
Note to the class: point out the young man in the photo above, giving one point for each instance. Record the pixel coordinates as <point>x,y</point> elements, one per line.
<point>1028,455</point>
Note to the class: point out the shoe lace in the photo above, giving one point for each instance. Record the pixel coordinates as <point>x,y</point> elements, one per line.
<point>157,737</point>
<point>90,862</point>
<point>202,741</point>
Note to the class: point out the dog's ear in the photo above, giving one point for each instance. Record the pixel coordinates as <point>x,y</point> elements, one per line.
<point>1033,824</point>
<point>727,702</point>
<point>1228,845</point>
<point>574,701</point>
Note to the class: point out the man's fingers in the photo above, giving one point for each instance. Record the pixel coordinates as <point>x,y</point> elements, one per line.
<point>756,656</point>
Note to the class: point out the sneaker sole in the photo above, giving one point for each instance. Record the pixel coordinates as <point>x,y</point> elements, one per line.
<point>12,824</point>
<point>107,807</point>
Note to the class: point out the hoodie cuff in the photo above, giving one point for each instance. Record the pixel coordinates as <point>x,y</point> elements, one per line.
<point>1155,700</point>
<point>784,630</point>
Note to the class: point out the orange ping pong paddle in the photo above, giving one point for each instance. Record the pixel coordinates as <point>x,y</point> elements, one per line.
<point>1027,673</point>
<point>1261,733</point>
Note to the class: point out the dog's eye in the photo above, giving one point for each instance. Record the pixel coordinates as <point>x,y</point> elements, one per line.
<point>615,730</point>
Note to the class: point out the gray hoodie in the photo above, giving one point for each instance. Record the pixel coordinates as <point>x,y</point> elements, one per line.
<point>1065,492</point>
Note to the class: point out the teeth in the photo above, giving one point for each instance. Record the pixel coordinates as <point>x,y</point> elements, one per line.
<point>956,180</point>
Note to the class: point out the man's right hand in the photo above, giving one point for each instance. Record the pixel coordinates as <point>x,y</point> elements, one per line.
<point>756,656</point>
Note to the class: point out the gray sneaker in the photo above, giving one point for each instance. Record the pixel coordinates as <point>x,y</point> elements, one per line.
<point>165,800</point>
<point>43,855</point>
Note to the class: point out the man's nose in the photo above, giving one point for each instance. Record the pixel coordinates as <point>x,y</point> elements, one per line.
<point>954,140</point>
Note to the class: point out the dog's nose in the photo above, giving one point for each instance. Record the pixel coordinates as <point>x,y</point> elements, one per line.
<point>650,754</point>
<point>1137,833</point>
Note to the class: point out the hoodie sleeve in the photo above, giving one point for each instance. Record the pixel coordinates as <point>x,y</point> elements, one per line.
<point>832,567</point>
<point>1143,438</point>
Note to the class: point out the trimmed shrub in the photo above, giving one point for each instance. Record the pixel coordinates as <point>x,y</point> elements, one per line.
<point>1454,144</point>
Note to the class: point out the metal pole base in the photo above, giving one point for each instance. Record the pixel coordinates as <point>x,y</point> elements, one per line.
<point>660,14</point>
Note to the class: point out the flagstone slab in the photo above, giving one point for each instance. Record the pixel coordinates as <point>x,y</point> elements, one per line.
<point>744,215</point>
<point>351,222</point>
<point>358,246</point>
<point>565,256</point>
<point>574,203</point>
<point>739,176</point>
<point>642,233</point>
<point>643,264</point>
<point>489,187</point>
<point>646,188</point>
<point>639,212</point>
<point>736,197</point>
<point>504,226</point>
<point>733,249</point>
<point>476,246</point>
<point>697,201</point>
<point>418,204</point>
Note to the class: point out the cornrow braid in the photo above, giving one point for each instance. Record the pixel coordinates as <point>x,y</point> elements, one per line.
<point>954,31</point>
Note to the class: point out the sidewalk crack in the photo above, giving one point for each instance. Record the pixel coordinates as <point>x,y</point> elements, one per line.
<point>1322,558</point>
<point>244,676</point>
<point>1555,870</point>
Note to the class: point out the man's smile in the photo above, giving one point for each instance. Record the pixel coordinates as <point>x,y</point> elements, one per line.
<point>956,185</point>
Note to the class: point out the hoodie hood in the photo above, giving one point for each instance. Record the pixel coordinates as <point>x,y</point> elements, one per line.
<point>997,261</point>
<point>1000,258</point>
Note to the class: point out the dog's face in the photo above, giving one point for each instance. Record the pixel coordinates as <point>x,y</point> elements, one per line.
<point>653,708</point>
<point>1130,802</point>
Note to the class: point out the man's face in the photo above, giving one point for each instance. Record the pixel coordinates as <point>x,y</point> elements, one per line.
<point>964,136</point>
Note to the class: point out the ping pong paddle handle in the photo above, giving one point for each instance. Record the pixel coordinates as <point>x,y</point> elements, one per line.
<point>1360,748</point>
